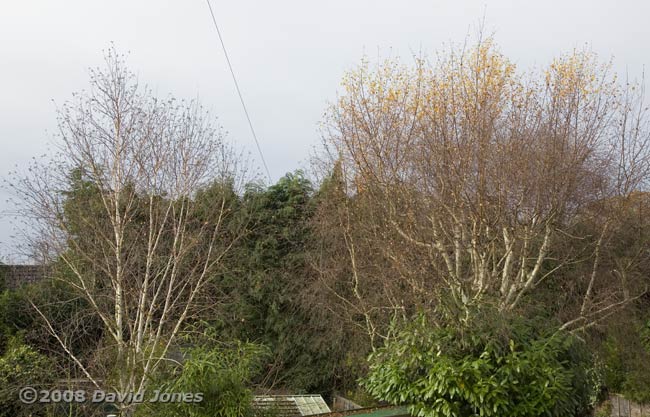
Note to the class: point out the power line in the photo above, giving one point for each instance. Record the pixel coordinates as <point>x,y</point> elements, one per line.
<point>241,98</point>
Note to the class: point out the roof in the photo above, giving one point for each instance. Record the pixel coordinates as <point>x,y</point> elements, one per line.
<point>291,405</point>
<point>386,411</point>
<point>16,276</point>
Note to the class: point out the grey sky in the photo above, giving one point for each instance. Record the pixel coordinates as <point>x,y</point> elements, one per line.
<point>288,56</point>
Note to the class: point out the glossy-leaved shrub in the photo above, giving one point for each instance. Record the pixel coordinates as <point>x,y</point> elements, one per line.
<point>484,365</point>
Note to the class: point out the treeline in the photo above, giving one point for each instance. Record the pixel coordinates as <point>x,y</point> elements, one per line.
<point>274,292</point>
<point>262,294</point>
<point>477,244</point>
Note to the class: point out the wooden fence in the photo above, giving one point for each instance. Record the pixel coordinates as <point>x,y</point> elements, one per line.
<point>626,408</point>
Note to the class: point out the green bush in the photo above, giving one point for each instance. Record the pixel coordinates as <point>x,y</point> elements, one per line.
<point>625,353</point>
<point>13,315</point>
<point>637,384</point>
<point>488,366</point>
<point>21,366</point>
<point>220,374</point>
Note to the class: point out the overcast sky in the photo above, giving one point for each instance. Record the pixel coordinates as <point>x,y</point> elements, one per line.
<point>288,56</point>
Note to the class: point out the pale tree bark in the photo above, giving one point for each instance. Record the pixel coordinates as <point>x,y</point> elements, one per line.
<point>117,209</point>
<point>485,173</point>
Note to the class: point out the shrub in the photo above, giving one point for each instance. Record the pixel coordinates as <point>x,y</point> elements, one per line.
<point>21,366</point>
<point>220,374</point>
<point>487,365</point>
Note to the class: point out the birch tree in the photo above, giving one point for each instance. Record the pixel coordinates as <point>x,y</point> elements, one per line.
<point>116,208</point>
<point>478,173</point>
